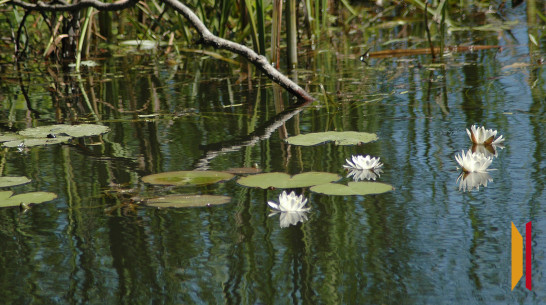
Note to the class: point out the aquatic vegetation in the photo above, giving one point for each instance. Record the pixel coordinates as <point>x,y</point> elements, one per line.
<point>289,203</point>
<point>363,163</point>
<point>482,136</point>
<point>486,150</point>
<point>291,207</point>
<point>473,162</point>
<point>338,137</point>
<point>187,201</point>
<point>285,181</point>
<point>187,178</point>
<point>13,180</point>
<point>51,134</point>
<point>352,188</point>
<point>23,200</point>
<point>364,174</point>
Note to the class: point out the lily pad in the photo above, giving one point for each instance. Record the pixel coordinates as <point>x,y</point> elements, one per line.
<point>284,181</point>
<point>339,137</point>
<point>353,188</point>
<point>7,200</point>
<point>51,134</point>
<point>11,181</point>
<point>187,178</point>
<point>187,201</point>
<point>36,142</point>
<point>82,130</point>
<point>9,137</point>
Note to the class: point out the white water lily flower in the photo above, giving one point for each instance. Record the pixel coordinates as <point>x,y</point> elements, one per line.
<point>361,163</point>
<point>480,135</point>
<point>470,181</point>
<point>365,174</point>
<point>487,150</point>
<point>291,208</point>
<point>473,162</point>
<point>289,203</point>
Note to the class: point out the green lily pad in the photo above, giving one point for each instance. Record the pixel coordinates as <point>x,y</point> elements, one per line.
<point>339,137</point>
<point>187,201</point>
<point>51,134</point>
<point>36,142</point>
<point>353,188</point>
<point>7,200</point>
<point>11,181</point>
<point>82,130</point>
<point>284,181</point>
<point>187,178</point>
<point>7,137</point>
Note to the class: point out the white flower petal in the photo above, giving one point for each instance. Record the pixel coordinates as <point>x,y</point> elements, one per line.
<point>473,162</point>
<point>273,205</point>
<point>289,203</point>
<point>360,162</point>
<point>482,136</point>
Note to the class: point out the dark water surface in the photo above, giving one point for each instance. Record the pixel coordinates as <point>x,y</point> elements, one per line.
<point>426,242</point>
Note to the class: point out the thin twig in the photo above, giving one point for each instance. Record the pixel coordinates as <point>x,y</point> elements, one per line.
<point>63,7</point>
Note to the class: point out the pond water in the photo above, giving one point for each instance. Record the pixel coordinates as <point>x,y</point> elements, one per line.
<point>425,242</point>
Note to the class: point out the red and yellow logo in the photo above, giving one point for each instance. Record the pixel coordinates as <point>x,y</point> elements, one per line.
<point>517,256</point>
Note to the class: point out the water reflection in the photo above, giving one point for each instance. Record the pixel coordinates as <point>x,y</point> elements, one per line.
<point>425,242</point>
<point>364,174</point>
<point>290,218</point>
<point>489,151</point>
<point>469,181</point>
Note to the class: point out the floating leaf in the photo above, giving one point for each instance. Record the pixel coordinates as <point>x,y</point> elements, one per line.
<point>353,188</point>
<point>11,181</point>
<point>51,134</point>
<point>82,130</point>
<point>36,142</point>
<point>4,195</point>
<point>187,178</point>
<point>284,181</point>
<point>10,137</point>
<point>6,200</point>
<point>340,138</point>
<point>187,201</point>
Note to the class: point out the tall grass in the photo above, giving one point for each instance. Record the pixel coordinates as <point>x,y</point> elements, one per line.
<point>258,23</point>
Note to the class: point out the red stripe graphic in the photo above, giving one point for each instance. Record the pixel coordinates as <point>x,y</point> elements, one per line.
<point>528,255</point>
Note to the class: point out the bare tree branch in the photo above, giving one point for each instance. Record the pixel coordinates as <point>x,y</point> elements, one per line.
<point>64,7</point>
<point>258,60</point>
<point>207,38</point>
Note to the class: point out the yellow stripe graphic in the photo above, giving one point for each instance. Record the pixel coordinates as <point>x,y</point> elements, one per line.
<point>517,256</point>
